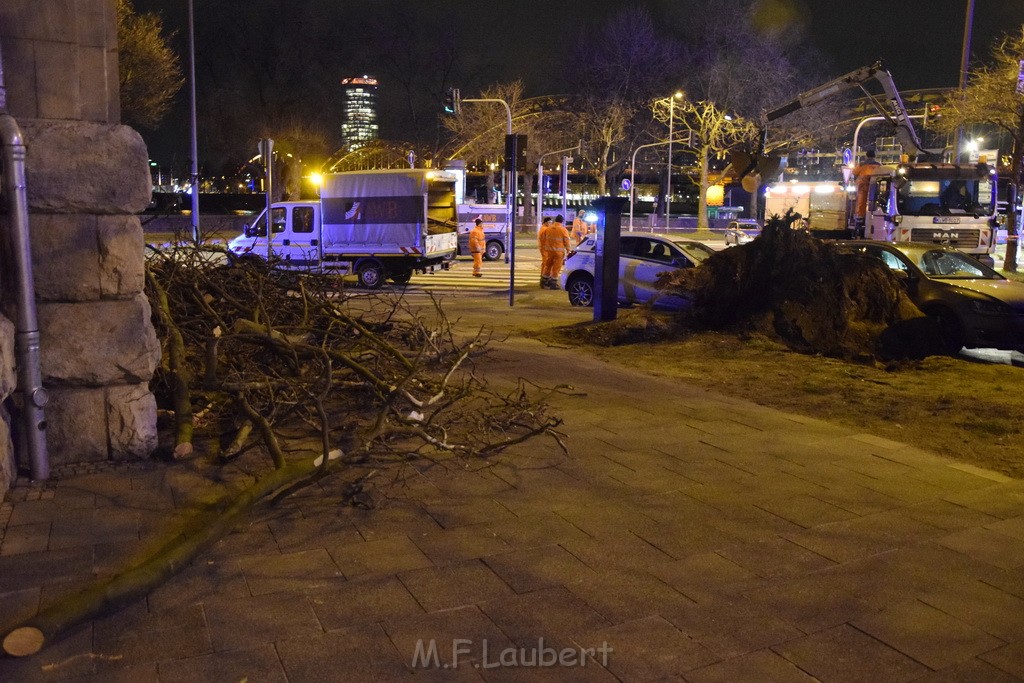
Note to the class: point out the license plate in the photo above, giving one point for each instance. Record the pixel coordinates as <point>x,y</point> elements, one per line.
<point>946,219</point>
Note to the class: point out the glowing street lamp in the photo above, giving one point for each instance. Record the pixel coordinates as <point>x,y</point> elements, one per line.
<point>668,181</point>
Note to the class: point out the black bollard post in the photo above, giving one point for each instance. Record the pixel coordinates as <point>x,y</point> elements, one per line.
<point>606,266</point>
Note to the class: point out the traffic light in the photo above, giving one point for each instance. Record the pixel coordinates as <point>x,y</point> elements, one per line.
<point>452,104</point>
<point>515,148</point>
<point>932,112</point>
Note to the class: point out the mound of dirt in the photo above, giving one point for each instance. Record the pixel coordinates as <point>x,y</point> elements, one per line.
<point>804,292</point>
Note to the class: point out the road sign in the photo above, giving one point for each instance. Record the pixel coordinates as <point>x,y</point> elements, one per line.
<point>847,156</point>
<point>626,184</point>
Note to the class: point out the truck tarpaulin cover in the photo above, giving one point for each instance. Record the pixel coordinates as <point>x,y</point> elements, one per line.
<point>382,210</point>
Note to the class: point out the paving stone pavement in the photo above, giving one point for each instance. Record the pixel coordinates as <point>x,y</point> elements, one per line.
<point>687,536</point>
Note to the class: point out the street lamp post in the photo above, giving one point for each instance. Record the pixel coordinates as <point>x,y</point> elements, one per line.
<point>194,170</point>
<point>668,181</point>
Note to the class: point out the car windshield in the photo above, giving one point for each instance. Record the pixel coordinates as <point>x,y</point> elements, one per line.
<point>942,265</point>
<point>697,252</point>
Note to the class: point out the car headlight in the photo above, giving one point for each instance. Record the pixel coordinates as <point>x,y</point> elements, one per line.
<point>988,307</point>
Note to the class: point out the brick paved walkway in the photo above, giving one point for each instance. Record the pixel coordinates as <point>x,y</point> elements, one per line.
<point>701,538</point>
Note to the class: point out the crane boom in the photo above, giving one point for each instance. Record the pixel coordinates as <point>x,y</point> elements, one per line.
<point>896,113</point>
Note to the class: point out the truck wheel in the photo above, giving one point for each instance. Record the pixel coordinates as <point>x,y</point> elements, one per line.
<point>493,251</point>
<point>580,287</point>
<point>401,278</point>
<point>371,275</point>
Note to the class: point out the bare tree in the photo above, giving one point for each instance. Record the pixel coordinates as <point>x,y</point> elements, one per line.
<point>630,64</point>
<point>992,96</point>
<point>713,131</point>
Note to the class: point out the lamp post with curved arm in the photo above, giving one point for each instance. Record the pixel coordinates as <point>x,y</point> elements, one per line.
<point>632,172</point>
<point>668,180</point>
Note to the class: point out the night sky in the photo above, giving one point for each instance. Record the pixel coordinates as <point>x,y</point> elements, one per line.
<point>919,40</point>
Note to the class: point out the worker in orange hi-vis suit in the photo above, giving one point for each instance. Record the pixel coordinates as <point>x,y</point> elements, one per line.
<point>553,241</point>
<point>862,175</point>
<point>477,245</point>
<point>579,227</point>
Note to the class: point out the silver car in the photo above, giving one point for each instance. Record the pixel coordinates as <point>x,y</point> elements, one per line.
<point>641,259</point>
<point>741,231</point>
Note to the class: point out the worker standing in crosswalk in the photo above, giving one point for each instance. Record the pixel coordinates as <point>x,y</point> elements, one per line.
<point>553,241</point>
<point>477,246</point>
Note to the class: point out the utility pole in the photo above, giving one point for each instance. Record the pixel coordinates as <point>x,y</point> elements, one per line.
<point>195,144</point>
<point>965,61</point>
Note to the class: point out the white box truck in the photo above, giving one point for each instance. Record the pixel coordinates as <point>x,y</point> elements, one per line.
<point>496,227</point>
<point>822,203</point>
<point>379,225</point>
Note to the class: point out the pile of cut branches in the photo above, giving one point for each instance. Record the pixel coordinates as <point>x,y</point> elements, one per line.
<point>259,355</point>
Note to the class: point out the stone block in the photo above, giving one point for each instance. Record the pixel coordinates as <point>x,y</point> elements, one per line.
<point>76,425</point>
<point>121,265</point>
<point>65,257</point>
<point>113,74</point>
<point>8,468</point>
<point>57,80</point>
<point>38,20</point>
<point>131,421</point>
<point>94,88</point>
<point>96,343</point>
<point>83,167</point>
<point>19,68</point>
<point>92,23</point>
<point>8,376</point>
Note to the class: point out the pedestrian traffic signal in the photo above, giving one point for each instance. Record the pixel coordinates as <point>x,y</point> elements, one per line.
<point>515,150</point>
<point>452,104</point>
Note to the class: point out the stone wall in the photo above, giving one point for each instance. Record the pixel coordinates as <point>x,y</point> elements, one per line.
<point>87,177</point>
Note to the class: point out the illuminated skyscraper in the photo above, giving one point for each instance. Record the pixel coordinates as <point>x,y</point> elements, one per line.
<point>360,124</point>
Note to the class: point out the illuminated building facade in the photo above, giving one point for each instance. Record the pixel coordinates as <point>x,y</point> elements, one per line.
<point>360,111</point>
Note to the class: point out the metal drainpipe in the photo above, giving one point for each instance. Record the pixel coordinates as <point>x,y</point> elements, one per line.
<point>30,382</point>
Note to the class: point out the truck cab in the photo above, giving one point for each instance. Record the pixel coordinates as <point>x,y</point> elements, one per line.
<point>936,203</point>
<point>294,235</point>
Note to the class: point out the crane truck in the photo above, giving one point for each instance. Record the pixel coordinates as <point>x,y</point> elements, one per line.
<point>922,199</point>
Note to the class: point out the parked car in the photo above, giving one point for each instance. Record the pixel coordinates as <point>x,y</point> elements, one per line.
<point>641,259</point>
<point>741,231</point>
<point>974,305</point>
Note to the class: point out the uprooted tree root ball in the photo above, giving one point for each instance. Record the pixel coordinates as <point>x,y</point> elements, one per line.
<point>297,380</point>
<point>801,290</point>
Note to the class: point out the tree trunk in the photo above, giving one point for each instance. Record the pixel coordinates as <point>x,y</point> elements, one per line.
<point>1017,175</point>
<point>489,199</point>
<point>702,199</point>
<point>602,172</point>
<point>529,202</point>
